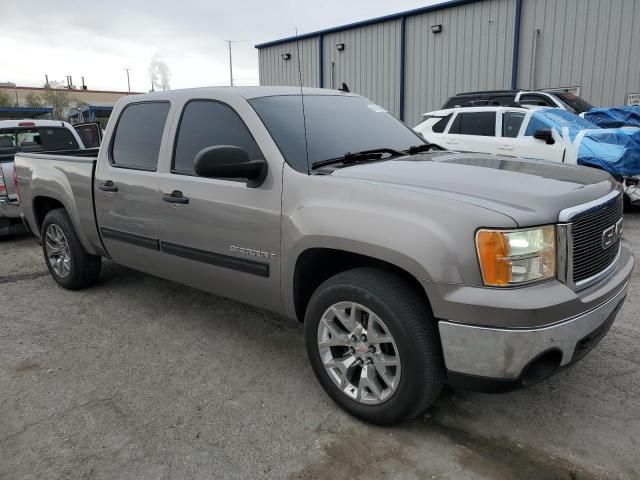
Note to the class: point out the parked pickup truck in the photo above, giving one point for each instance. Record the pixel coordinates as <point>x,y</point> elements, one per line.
<point>409,267</point>
<point>31,136</point>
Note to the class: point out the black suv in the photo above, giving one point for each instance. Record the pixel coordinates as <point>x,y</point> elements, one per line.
<point>508,98</point>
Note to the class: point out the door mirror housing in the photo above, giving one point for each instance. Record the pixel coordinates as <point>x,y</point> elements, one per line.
<point>228,161</point>
<point>545,134</point>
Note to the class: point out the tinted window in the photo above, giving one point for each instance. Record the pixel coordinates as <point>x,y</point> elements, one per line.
<point>138,135</point>
<point>38,139</point>
<point>336,124</point>
<point>89,134</point>
<point>536,100</point>
<point>205,124</point>
<point>475,123</point>
<point>441,124</point>
<point>511,123</point>
<point>574,101</point>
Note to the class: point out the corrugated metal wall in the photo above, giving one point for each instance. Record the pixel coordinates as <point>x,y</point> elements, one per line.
<point>369,63</point>
<point>594,44</point>
<point>473,52</point>
<point>274,70</point>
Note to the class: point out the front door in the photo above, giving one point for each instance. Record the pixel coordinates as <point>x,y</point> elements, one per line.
<point>220,235</point>
<point>126,192</point>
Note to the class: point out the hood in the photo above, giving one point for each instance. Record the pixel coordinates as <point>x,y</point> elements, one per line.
<point>532,192</point>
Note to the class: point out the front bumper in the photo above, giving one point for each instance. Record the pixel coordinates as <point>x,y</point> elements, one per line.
<point>492,358</point>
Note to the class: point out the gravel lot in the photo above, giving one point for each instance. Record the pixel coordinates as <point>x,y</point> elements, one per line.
<point>141,378</point>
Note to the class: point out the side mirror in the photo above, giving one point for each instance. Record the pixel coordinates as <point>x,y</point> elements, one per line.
<point>227,161</point>
<point>544,134</point>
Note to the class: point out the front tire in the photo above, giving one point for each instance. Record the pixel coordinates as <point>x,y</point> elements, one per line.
<point>373,345</point>
<point>68,262</point>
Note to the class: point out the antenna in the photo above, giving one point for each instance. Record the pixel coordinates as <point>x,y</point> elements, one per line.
<point>304,117</point>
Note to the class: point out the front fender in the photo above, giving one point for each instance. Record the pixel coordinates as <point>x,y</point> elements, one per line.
<point>431,238</point>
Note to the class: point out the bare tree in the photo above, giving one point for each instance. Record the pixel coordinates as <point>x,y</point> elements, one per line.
<point>58,98</point>
<point>5,100</point>
<point>33,101</point>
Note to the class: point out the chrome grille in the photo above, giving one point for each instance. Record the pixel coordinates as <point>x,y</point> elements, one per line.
<point>589,256</point>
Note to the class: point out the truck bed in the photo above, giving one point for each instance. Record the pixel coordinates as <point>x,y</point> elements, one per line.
<point>65,177</point>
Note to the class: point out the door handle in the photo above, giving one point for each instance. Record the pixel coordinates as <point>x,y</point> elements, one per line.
<point>505,147</point>
<point>175,197</point>
<point>108,186</point>
<point>451,142</point>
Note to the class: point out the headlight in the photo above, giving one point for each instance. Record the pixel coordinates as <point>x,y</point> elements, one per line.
<point>517,256</point>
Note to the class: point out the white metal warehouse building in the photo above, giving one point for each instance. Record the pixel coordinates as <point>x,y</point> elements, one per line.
<point>403,63</point>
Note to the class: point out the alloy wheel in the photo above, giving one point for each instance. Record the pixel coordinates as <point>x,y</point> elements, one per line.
<point>359,353</point>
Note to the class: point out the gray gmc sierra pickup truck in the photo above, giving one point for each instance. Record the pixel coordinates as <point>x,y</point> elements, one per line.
<point>409,266</point>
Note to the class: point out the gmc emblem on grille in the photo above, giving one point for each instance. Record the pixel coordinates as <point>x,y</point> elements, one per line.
<point>611,235</point>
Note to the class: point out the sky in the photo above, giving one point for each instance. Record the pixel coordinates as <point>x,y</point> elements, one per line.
<point>99,39</point>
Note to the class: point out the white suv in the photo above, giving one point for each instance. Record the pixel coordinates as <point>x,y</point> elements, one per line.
<point>540,133</point>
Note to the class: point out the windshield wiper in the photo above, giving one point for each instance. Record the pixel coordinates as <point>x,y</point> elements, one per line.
<point>349,158</point>
<point>425,147</point>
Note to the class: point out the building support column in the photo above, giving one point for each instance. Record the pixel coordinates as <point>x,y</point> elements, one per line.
<point>403,22</point>
<point>516,46</point>
<point>321,59</point>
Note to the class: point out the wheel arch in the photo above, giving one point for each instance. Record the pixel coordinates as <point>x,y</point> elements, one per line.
<point>315,265</point>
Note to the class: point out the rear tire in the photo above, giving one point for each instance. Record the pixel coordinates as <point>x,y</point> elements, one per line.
<point>68,262</point>
<point>402,318</point>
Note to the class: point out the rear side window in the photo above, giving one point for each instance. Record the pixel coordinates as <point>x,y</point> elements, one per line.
<point>136,143</point>
<point>475,123</point>
<point>511,123</point>
<point>207,123</point>
<point>441,124</point>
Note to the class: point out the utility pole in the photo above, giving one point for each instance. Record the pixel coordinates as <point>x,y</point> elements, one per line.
<point>229,42</point>
<point>128,82</point>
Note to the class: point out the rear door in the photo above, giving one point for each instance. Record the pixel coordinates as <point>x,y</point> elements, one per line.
<point>473,131</point>
<point>127,197</point>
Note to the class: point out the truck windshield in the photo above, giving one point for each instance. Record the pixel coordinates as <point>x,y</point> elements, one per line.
<point>336,125</point>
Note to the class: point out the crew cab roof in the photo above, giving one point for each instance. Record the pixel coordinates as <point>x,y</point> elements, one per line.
<point>245,92</point>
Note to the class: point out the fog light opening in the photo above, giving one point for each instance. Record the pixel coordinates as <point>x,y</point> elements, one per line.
<point>541,367</point>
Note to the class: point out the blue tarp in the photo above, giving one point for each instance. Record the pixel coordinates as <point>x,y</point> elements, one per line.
<point>614,117</point>
<point>615,150</point>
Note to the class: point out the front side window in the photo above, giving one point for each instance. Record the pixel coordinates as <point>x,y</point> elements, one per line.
<point>206,123</point>
<point>535,124</point>
<point>474,123</point>
<point>511,123</point>
<point>136,143</point>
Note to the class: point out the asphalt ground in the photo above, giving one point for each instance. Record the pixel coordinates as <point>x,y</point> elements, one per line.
<point>141,378</point>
